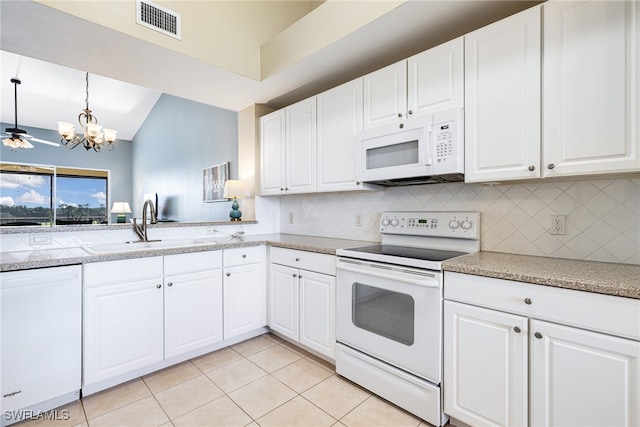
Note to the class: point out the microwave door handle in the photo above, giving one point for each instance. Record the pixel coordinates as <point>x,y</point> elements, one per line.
<point>425,147</point>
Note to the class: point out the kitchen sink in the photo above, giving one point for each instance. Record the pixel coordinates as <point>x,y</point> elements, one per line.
<point>133,246</point>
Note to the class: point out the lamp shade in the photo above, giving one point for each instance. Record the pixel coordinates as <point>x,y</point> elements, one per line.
<point>234,188</point>
<point>120,208</point>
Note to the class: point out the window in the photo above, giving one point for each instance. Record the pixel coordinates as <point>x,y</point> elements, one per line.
<point>47,195</point>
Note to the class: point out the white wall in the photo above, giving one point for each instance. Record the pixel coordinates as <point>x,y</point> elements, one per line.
<point>603,216</point>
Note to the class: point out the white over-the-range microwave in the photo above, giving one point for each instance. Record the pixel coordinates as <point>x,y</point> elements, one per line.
<point>420,150</point>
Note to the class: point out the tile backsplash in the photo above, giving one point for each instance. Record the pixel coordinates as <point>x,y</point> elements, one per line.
<point>602,215</point>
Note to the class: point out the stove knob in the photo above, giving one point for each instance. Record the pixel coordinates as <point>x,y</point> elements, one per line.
<point>466,224</point>
<point>454,224</point>
<point>385,222</point>
<point>394,222</point>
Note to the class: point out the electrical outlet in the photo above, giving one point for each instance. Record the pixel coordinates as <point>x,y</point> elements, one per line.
<point>290,217</point>
<point>557,225</point>
<point>358,220</point>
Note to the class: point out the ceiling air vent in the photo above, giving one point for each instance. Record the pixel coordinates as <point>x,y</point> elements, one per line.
<point>158,18</point>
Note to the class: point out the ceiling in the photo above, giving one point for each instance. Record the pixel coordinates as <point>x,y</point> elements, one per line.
<point>43,36</point>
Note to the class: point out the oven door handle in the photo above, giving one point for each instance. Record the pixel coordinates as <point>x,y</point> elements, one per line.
<point>399,275</point>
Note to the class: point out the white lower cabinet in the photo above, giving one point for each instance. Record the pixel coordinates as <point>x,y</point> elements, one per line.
<point>528,357</point>
<point>245,290</point>
<point>302,292</point>
<point>134,316</point>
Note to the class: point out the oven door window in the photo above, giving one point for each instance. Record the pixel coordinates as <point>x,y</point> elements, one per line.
<point>384,312</point>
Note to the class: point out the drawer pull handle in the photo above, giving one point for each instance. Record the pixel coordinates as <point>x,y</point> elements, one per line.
<point>158,286</point>
<point>228,274</point>
<point>244,255</point>
<point>528,301</point>
<point>538,335</point>
<point>170,284</point>
<point>517,330</point>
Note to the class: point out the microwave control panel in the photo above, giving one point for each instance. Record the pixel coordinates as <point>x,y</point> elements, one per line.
<point>443,142</point>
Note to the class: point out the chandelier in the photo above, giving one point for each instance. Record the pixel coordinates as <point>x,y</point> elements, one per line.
<point>94,136</point>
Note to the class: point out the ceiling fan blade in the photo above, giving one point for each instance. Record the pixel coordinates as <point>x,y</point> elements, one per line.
<point>42,141</point>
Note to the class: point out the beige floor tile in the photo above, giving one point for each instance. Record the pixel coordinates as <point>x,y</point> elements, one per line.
<point>377,412</point>
<point>167,424</point>
<point>274,358</point>
<point>338,424</point>
<point>145,412</point>
<point>262,396</point>
<point>254,345</point>
<point>336,396</point>
<point>220,412</point>
<point>273,337</point>
<point>236,375</point>
<point>297,350</point>
<point>302,375</point>
<point>114,398</point>
<point>217,359</point>
<point>297,412</point>
<point>187,396</point>
<point>68,415</point>
<point>327,365</point>
<point>173,375</point>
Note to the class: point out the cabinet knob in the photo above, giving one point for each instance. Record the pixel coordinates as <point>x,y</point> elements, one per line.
<point>532,168</point>
<point>399,114</point>
<point>401,125</point>
<point>358,183</point>
<point>295,275</point>
<point>551,166</point>
<point>410,112</point>
<point>170,284</point>
<point>158,286</point>
<point>538,335</point>
<point>517,330</point>
<point>281,189</point>
<point>228,274</point>
<point>300,276</point>
<point>244,255</point>
<point>297,259</point>
<point>528,301</point>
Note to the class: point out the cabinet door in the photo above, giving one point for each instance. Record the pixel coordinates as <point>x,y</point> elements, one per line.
<point>123,328</point>
<point>317,312</point>
<point>385,95</point>
<point>502,99</point>
<point>485,366</point>
<point>591,91</point>
<point>300,142</point>
<point>435,79</point>
<point>283,300</point>
<point>193,311</point>
<point>245,299</point>
<point>339,126</point>
<point>272,163</point>
<point>583,378</point>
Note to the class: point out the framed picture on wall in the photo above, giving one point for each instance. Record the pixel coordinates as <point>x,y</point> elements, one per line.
<point>213,179</point>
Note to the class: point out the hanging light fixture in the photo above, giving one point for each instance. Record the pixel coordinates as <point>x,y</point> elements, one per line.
<point>94,136</point>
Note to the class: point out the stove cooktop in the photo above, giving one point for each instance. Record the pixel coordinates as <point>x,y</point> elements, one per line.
<point>407,252</point>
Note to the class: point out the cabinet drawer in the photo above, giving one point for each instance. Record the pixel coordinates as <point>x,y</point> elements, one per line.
<point>597,312</point>
<point>312,261</point>
<point>192,262</point>
<point>242,256</point>
<point>128,270</point>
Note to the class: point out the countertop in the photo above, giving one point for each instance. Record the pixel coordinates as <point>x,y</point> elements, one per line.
<point>24,260</point>
<point>599,277</point>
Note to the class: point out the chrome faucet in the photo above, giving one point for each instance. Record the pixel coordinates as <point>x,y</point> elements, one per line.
<point>141,230</point>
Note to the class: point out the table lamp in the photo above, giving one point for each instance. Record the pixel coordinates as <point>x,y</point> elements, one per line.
<point>121,208</point>
<point>236,189</point>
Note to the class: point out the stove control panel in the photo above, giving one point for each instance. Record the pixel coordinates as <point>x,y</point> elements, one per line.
<point>458,224</point>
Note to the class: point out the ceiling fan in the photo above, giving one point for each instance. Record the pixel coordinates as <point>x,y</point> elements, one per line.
<point>18,138</point>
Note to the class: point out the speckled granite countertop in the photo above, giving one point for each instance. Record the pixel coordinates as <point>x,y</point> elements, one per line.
<point>24,260</point>
<point>599,277</point>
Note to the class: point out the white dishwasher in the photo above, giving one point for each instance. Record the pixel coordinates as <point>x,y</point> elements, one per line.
<point>40,341</point>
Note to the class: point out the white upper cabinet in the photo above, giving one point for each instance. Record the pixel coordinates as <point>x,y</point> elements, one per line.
<point>339,125</point>
<point>436,79</point>
<point>591,97</point>
<point>424,83</point>
<point>288,150</point>
<point>502,99</point>
<point>272,161</point>
<point>385,95</point>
